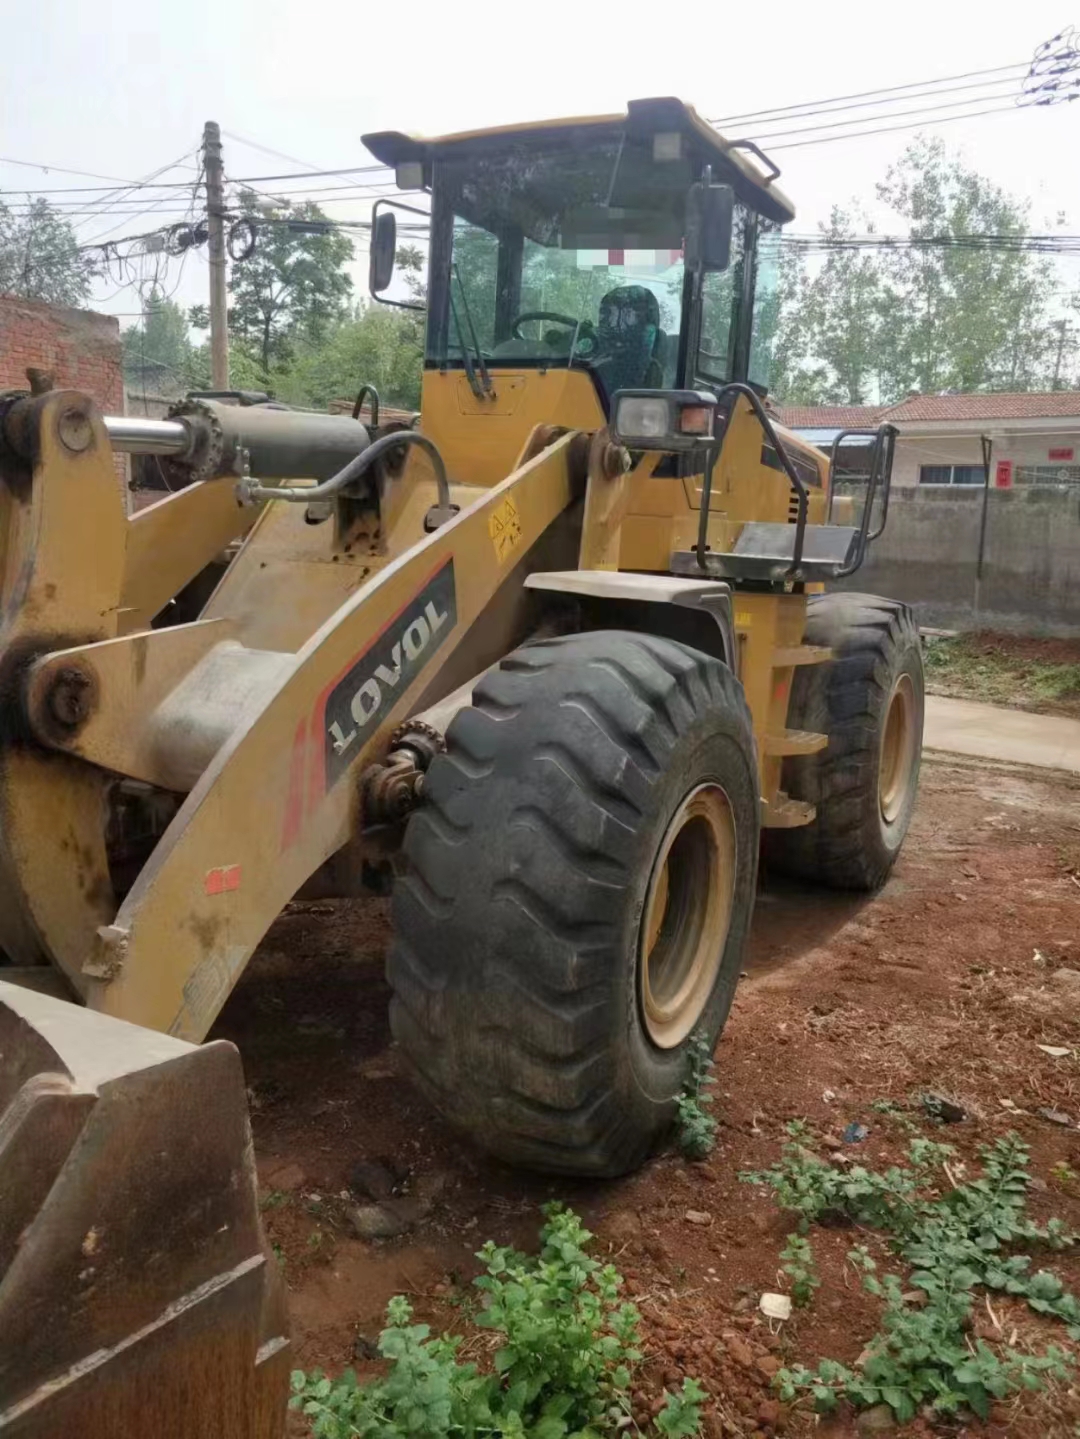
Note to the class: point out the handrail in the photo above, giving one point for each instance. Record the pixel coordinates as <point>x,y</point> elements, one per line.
<point>881,462</point>
<point>738,388</point>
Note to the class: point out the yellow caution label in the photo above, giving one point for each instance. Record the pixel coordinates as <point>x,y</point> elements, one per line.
<point>743,619</point>
<point>504,527</point>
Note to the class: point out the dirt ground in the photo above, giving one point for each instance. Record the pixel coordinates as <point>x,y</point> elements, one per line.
<point>1021,671</point>
<point>947,981</point>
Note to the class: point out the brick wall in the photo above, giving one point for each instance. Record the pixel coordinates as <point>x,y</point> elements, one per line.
<point>81,349</point>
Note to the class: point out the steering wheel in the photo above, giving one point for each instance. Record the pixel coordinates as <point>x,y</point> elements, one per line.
<point>586,330</point>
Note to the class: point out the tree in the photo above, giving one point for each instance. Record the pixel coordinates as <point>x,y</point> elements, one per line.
<point>293,288</point>
<point>961,318</point>
<point>160,339</point>
<point>876,323</point>
<point>40,258</point>
<point>837,330</point>
<point>376,344</point>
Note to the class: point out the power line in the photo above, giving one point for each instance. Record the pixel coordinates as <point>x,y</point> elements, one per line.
<point>266,150</point>
<point>925,113</point>
<point>984,91</point>
<point>183,184</point>
<point>63,170</point>
<point>888,129</point>
<point>864,94</point>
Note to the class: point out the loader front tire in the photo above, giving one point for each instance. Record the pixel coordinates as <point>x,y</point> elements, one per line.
<point>869,700</point>
<point>579,887</point>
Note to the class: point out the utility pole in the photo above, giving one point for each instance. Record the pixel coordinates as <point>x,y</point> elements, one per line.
<point>1062,327</point>
<point>215,224</point>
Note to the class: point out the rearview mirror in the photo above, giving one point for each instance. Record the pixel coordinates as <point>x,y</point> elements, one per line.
<point>709,215</point>
<point>383,250</point>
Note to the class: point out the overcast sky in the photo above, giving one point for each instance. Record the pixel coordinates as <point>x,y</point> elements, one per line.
<point>122,90</point>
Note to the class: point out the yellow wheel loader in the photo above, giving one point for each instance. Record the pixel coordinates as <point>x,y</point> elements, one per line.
<point>547,663</point>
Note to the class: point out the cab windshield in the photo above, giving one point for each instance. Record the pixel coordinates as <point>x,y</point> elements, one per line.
<point>568,254</point>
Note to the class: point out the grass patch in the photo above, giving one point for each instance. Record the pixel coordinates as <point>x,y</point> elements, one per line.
<point>1006,669</point>
<point>953,1239</point>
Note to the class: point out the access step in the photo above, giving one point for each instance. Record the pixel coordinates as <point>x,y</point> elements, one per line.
<point>795,741</point>
<point>786,813</point>
<point>764,551</point>
<point>795,655</point>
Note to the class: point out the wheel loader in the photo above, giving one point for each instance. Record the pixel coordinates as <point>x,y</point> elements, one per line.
<point>554,665</point>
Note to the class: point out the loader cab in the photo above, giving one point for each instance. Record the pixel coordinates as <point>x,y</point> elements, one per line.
<point>634,251</point>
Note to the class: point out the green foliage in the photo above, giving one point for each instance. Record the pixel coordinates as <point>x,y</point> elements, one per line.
<point>378,346</point>
<point>294,287</point>
<point>870,325</point>
<point>800,1269</point>
<point>888,1110</point>
<point>39,255</point>
<point>697,1126</point>
<point>564,1367</point>
<point>953,1242</point>
<point>159,357</point>
<point>988,667</point>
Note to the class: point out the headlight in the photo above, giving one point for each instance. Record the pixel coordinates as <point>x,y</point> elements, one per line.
<point>663,419</point>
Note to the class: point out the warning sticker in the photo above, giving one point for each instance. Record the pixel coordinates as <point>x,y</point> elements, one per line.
<point>504,527</point>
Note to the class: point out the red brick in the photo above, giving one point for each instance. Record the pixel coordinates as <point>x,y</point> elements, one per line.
<point>81,348</point>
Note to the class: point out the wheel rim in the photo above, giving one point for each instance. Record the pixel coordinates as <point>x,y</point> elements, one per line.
<point>898,745</point>
<point>687,913</point>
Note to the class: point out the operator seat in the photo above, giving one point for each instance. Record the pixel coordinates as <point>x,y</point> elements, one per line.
<point>629,339</point>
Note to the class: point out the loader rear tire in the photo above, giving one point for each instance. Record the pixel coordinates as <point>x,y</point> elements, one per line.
<point>869,700</point>
<point>579,889</point>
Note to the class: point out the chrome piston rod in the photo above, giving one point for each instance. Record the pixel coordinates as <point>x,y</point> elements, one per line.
<point>134,435</point>
<point>203,439</point>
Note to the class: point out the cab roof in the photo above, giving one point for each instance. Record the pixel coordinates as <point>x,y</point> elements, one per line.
<point>751,181</point>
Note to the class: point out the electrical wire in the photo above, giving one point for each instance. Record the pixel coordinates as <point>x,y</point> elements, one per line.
<point>266,150</point>
<point>986,86</point>
<point>889,129</point>
<point>926,117</point>
<point>816,105</point>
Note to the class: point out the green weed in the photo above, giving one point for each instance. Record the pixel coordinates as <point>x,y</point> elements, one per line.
<point>800,1269</point>
<point>952,1239</point>
<point>697,1126</point>
<point>569,1349</point>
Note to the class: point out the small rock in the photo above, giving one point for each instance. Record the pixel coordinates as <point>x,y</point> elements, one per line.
<point>372,1180</point>
<point>832,1141</point>
<point>386,1220</point>
<point>775,1306</point>
<point>768,1415</point>
<point>697,1216</point>
<point>876,1420</point>
<point>1055,1051</point>
<point>768,1366</point>
<point>740,1351</point>
<point>430,1186</point>
<point>1055,1116</point>
<point>622,1226</point>
<point>938,1107</point>
<point>364,1348</point>
<point>658,1252</point>
<point>1065,977</point>
<point>285,1176</point>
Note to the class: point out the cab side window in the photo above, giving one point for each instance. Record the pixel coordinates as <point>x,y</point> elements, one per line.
<point>721,295</point>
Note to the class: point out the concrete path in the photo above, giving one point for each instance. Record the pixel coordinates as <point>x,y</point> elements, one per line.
<point>990,732</point>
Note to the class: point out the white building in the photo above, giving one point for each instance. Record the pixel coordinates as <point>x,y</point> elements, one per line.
<point>1034,439</point>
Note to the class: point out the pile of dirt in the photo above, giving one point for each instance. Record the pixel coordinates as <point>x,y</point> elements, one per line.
<point>946,982</point>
